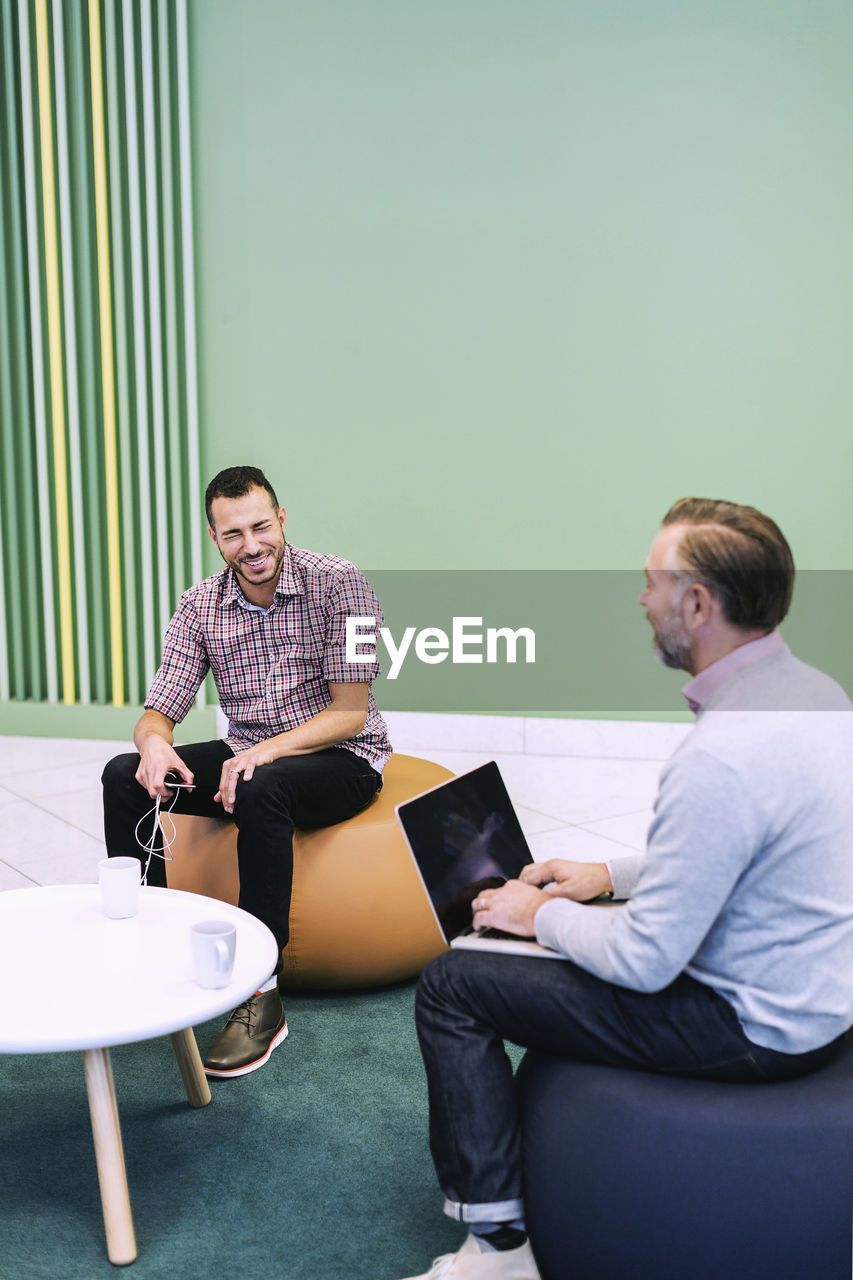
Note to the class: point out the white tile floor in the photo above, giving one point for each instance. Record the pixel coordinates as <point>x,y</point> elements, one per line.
<point>575,794</point>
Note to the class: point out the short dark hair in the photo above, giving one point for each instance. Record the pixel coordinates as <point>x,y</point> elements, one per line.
<point>739,554</point>
<point>236,482</point>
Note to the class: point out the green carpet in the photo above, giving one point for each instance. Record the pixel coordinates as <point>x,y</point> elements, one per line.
<point>316,1167</point>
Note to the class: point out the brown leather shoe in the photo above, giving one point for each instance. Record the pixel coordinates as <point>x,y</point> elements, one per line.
<point>254,1029</point>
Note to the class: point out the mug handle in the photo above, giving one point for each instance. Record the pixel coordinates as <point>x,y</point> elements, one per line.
<point>221,956</point>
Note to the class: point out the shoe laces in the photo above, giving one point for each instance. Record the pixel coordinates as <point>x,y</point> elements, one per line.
<point>243,1013</point>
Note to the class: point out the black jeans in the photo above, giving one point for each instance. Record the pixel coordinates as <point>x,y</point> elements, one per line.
<point>314,790</point>
<point>469,1002</point>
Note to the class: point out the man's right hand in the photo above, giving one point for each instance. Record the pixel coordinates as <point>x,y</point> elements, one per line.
<point>156,759</point>
<point>579,881</point>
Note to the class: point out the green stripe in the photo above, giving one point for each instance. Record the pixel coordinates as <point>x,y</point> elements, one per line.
<point>11,294</point>
<point>66,240</point>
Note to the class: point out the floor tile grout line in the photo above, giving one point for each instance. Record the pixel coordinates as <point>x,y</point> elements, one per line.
<point>65,822</point>
<point>599,835</point>
<point>52,768</point>
<point>611,817</point>
<point>18,872</point>
<point>620,844</point>
<point>53,795</point>
<point>612,840</point>
<point>546,831</point>
<point>629,813</point>
<point>606,759</point>
<point>524,754</point>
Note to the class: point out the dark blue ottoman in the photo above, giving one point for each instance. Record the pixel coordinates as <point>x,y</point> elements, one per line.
<point>630,1176</point>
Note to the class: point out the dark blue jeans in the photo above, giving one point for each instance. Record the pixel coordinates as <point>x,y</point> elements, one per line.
<point>314,790</point>
<point>469,1002</point>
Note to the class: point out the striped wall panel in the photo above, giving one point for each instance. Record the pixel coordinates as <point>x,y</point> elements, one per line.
<point>99,474</point>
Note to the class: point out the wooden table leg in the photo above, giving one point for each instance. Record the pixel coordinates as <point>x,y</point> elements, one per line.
<point>109,1156</point>
<point>195,1081</point>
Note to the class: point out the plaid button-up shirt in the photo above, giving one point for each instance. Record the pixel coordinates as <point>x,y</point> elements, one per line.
<point>273,666</point>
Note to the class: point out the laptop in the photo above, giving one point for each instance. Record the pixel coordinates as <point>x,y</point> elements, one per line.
<point>464,835</point>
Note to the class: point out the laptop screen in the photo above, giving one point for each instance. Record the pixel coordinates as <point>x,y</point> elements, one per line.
<point>462,833</point>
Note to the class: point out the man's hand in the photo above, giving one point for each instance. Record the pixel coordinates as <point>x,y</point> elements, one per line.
<point>245,763</point>
<point>152,738</point>
<point>580,881</point>
<point>512,907</point>
<point>156,759</point>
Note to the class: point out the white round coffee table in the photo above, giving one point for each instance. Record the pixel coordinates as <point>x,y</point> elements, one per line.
<point>104,982</point>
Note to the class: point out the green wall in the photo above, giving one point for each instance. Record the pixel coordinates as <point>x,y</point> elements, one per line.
<point>488,284</point>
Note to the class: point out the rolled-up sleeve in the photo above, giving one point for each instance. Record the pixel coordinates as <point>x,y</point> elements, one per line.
<point>185,664</point>
<point>352,597</point>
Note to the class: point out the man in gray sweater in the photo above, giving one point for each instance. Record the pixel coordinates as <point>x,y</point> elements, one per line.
<point>732,958</point>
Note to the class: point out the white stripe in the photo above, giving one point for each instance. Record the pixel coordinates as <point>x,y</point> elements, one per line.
<point>148,623</point>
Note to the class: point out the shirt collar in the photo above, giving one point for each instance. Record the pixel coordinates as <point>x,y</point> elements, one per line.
<point>698,690</point>
<point>289,583</point>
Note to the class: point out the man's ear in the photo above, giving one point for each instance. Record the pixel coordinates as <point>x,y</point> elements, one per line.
<point>211,532</point>
<point>282,517</point>
<point>698,606</point>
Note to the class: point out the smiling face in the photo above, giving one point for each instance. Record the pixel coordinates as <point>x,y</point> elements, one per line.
<point>662,598</point>
<point>249,535</point>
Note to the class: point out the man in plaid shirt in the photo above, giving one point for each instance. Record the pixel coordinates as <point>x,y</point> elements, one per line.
<point>305,746</point>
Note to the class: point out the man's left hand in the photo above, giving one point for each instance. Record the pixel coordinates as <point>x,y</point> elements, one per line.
<point>245,763</point>
<point>512,908</point>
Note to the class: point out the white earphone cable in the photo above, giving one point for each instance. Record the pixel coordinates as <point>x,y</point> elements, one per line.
<point>151,846</point>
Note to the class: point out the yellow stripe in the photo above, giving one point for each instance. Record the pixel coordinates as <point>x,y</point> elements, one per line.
<point>104,292</point>
<point>54,334</point>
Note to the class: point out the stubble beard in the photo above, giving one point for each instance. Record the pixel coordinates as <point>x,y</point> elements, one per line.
<point>671,643</point>
<point>278,559</point>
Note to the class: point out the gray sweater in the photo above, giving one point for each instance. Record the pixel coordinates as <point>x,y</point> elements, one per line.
<point>747,880</point>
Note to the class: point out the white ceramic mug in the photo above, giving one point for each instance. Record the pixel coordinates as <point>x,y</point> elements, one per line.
<point>214,943</point>
<point>119,879</point>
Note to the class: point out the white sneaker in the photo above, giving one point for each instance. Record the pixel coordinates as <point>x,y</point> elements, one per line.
<point>471,1263</point>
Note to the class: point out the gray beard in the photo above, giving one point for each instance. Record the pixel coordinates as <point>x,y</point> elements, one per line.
<point>673,652</point>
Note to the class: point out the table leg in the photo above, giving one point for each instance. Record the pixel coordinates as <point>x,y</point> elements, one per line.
<point>109,1156</point>
<point>189,1061</point>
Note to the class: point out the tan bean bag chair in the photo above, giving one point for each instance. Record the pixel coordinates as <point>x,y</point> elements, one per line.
<point>359,915</point>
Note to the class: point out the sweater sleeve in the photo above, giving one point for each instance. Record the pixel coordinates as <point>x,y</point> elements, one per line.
<point>624,873</point>
<point>702,837</point>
